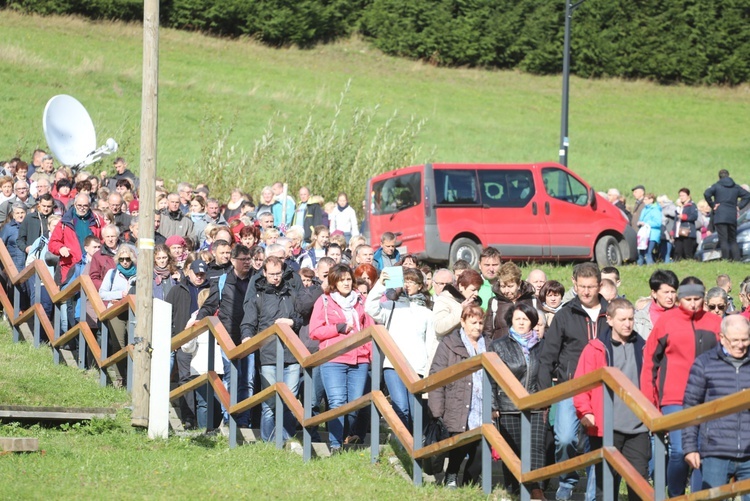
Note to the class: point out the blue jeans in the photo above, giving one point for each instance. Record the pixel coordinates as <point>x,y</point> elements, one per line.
<point>400,398</point>
<point>343,383</point>
<point>566,438</point>
<point>665,250</point>
<point>648,254</point>
<point>718,471</point>
<point>245,385</point>
<point>267,422</point>
<point>201,407</point>
<point>677,468</point>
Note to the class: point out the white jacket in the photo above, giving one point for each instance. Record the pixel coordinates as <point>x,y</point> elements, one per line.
<point>412,327</point>
<point>345,221</point>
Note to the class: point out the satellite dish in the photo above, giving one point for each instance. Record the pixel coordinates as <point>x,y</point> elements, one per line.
<point>70,133</point>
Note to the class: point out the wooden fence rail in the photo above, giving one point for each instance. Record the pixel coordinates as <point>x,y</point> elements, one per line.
<point>613,382</point>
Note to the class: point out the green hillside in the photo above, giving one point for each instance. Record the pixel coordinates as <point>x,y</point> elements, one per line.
<point>622,133</point>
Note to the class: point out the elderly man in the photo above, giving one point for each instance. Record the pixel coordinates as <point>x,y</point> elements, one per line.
<point>720,447</point>
<point>638,193</point>
<point>104,259</point>
<point>68,236</point>
<point>122,220</point>
<point>173,221</point>
<point>440,279</point>
<point>185,192</point>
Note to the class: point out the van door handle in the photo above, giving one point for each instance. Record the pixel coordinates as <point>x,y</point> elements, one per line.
<point>546,208</point>
<point>533,208</point>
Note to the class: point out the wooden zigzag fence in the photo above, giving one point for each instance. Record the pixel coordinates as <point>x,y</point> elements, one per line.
<point>613,382</point>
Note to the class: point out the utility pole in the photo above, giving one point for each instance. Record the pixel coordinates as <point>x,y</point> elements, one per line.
<point>564,139</point>
<point>145,270</point>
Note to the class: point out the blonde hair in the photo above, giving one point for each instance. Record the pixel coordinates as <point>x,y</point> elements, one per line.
<point>269,233</point>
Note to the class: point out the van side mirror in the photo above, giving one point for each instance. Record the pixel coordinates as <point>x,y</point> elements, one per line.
<point>592,198</point>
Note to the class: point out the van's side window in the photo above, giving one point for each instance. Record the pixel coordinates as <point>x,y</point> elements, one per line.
<point>506,188</point>
<point>562,186</point>
<point>456,187</point>
<point>396,194</point>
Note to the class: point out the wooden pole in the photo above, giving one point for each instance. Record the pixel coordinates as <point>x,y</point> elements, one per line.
<point>144,288</point>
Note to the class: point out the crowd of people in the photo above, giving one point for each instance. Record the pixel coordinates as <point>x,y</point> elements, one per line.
<point>672,230</point>
<point>303,263</point>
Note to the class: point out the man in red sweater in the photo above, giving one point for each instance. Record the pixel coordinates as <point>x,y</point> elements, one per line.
<point>679,336</point>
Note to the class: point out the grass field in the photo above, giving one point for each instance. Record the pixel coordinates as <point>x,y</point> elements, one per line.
<point>622,133</point>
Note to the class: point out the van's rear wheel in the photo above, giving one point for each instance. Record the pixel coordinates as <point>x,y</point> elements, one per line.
<point>466,249</point>
<point>607,252</point>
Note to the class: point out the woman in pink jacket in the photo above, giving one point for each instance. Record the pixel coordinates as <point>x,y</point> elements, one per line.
<point>337,314</point>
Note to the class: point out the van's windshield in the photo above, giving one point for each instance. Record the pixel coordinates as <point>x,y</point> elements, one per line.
<point>396,194</point>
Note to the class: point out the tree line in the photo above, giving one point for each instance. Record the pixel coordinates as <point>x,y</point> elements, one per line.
<point>668,41</point>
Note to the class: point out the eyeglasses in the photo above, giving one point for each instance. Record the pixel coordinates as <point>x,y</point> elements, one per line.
<point>442,284</point>
<point>720,307</point>
<point>125,260</point>
<point>736,341</point>
<point>82,206</point>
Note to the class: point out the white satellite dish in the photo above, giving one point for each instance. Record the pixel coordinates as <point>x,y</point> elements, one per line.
<point>70,133</point>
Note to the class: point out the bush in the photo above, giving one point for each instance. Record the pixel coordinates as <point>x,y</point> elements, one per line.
<point>329,158</point>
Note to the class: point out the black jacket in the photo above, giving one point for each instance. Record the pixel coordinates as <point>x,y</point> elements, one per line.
<point>313,217</point>
<point>32,227</point>
<point>725,193</point>
<point>179,297</point>
<point>303,304</point>
<point>262,309</point>
<point>214,271</point>
<point>714,376</point>
<point>230,307</point>
<point>569,333</point>
<point>511,353</point>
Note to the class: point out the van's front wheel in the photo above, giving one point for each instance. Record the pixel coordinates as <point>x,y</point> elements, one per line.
<point>466,249</point>
<point>607,252</point>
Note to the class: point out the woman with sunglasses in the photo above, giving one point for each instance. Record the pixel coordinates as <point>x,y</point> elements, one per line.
<point>117,284</point>
<point>716,301</point>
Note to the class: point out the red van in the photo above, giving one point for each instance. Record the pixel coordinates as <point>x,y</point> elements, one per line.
<point>541,212</point>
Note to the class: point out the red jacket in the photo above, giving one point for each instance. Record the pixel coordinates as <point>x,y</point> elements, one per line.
<point>101,262</point>
<point>676,341</point>
<point>595,355</point>
<point>65,236</point>
<point>326,316</point>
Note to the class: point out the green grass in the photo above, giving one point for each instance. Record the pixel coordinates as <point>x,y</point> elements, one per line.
<point>622,133</point>
<point>108,458</point>
<point>28,377</point>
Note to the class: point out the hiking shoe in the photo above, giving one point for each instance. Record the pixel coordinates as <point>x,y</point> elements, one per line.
<point>451,481</point>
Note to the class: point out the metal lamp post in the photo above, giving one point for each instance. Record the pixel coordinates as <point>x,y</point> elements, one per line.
<point>564,142</point>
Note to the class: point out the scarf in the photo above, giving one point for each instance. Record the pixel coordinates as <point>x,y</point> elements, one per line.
<point>527,341</point>
<point>347,305</point>
<point>126,272</point>
<point>418,298</point>
<point>551,309</point>
<point>342,209</point>
<point>161,274</point>
<point>475,405</point>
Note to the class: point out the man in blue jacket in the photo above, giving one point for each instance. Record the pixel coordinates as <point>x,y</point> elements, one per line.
<point>721,447</point>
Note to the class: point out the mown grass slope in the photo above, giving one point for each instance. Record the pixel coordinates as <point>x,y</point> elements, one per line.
<point>622,133</point>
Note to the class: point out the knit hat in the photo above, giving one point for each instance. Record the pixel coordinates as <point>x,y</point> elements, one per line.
<point>133,206</point>
<point>175,240</point>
